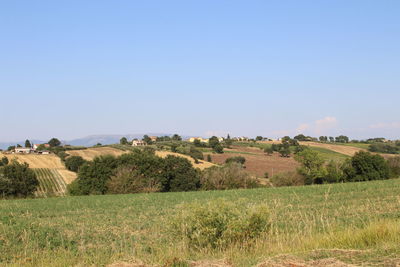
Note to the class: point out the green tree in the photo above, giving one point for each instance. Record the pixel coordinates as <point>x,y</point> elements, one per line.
<point>259,138</point>
<point>17,179</point>
<point>269,150</point>
<point>54,142</point>
<point>342,139</point>
<point>238,159</point>
<point>367,166</point>
<point>179,175</point>
<point>10,148</point>
<point>213,141</point>
<point>28,144</point>
<point>93,176</point>
<point>312,166</point>
<point>147,139</point>
<point>176,137</point>
<point>4,161</point>
<point>73,163</point>
<point>218,149</point>
<point>123,141</point>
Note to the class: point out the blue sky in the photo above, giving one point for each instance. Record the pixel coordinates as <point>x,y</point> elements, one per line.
<point>75,68</point>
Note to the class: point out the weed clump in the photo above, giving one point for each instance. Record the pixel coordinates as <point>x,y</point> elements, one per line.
<point>218,224</point>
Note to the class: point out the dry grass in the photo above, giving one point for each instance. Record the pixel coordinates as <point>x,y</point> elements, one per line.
<point>91,153</point>
<point>44,162</point>
<point>353,223</point>
<point>201,165</point>
<point>345,150</point>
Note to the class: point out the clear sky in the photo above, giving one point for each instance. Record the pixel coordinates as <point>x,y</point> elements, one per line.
<point>75,68</point>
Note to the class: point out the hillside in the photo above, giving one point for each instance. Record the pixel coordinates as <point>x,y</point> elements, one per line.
<point>342,149</point>
<point>339,224</point>
<point>91,153</point>
<point>51,162</point>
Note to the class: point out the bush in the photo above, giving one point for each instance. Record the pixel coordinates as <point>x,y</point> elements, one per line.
<point>394,166</point>
<point>73,163</point>
<point>231,176</point>
<point>148,173</point>
<point>287,179</point>
<point>238,159</point>
<point>367,166</point>
<point>16,179</point>
<point>130,180</point>
<point>93,176</point>
<point>269,150</point>
<point>218,149</point>
<point>178,174</point>
<point>384,148</point>
<point>4,161</point>
<point>219,224</point>
<point>312,166</point>
<point>209,159</point>
<point>335,172</point>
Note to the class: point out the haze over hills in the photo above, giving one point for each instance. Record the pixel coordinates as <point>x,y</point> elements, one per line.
<point>91,140</point>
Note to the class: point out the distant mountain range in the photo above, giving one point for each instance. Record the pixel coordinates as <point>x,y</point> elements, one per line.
<point>90,140</point>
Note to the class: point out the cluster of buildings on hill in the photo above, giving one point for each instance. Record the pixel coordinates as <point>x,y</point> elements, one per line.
<point>137,142</point>
<point>31,150</point>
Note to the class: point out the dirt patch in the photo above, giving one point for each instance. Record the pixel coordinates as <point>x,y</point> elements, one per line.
<point>260,163</point>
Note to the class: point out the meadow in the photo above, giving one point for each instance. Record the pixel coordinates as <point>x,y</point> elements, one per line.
<point>354,223</point>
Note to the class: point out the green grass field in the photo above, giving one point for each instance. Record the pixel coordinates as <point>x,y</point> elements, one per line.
<point>354,223</point>
<point>329,154</point>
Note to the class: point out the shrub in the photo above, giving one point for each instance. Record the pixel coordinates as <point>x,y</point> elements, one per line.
<point>218,224</point>
<point>384,148</point>
<point>238,159</point>
<point>93,176</point>
<point>178,174</point>
<point>209,159</point>
<point>18,180</point>
<point>130,180</point>
<point>269,150</point>
<point>335,172</point>
<point>312,166</point>
<point>287,179</point>
<point>367,166</point>
<point>218,149</point>
<point>231,176</point>
<point>394,166</point>
<point>4,161</point>
<point>73,163</point>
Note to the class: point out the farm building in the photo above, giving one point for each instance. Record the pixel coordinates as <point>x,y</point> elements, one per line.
<point>138,143</point>
<point>23,150</point>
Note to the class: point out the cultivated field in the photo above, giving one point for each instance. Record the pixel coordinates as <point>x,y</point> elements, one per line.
<point>51,162</point>
<point>257,162</point>
<point>51,183</point>
<point>338,224</point>
<point>342,149</point>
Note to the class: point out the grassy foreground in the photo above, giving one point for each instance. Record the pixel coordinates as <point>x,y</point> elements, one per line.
<point>355,223</point>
